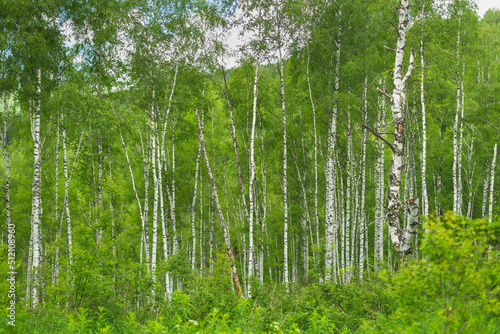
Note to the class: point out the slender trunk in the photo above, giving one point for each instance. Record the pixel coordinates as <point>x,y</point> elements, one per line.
<point>55,279</point>
<point>460,142</point>
<point>251,194</point>
<point>36,195</point>
<point>362,218</point>
<point>379,190</point>
<point>486,185</point>
<point>219,209</point>
<point>305,219</point>
<point>66,199</point>
<point>99,187</point>
<point>155,197</point>
<point>348,225</point>
<point>193,211</point>
<point>470,178</point>
<point>201,213</point>
<point>425,200</point>
<point>331,224</point>
<point>492,183</point>
<point>142,214</point>
<point>285,179</point>
<point>263,233</point>
<point>455,130</point>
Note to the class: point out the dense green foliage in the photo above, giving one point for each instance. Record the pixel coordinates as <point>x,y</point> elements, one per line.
<point>454,285</point>
<point>130,237</point>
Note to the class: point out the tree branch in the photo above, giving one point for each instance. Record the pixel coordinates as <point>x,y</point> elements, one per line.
<point>379,137</point>
<point>411,67</point>
<point>389,96</point>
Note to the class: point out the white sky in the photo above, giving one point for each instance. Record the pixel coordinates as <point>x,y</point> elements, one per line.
<point>484,5</point>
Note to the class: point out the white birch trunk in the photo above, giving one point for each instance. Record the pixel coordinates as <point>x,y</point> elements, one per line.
<point>8,214</point>
<point>425,200</point>
<point>193,211</point>
<point>455,130</point>
<point>66,210</point>
<point>331,224</point>
<point>99,188</point>
<point>285,179</point>
<point>492,184</point>
<point>460,144</point>
<point>34,267</point>
<point>251,183</point>
<point>398,101</point>
<point>362,218</point>
<point>348,225</point>
<point>155,197</point>
<point>486,185</point>
<point>471,168</point>
<point>379,190</point>
<point>55,279</point>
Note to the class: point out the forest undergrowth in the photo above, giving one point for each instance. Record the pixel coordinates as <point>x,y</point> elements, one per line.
<point>451,287</point>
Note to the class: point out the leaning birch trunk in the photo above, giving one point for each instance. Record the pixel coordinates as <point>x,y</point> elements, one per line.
<point>400,239</point>
<point>36,194</point>
<point>331,223</point>
<point>139,206</point>
<point>224,227</point>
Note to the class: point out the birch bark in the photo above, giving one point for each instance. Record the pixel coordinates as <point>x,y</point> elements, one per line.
<point>486,185</point>
<point>379,190</point>
<point>425,200</point>
<point>331,227</point>
<point>36,195</point>
<point>397,101</point>
<point>455,129</point>
<point>8,214</point>
<point>362,218</point>
<point>251,189</point>
<point>492,183</point>
<point>285,179</point>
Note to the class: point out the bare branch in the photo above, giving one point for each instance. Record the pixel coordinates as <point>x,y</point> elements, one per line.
<point>389,96</point>
<point>379,136</point>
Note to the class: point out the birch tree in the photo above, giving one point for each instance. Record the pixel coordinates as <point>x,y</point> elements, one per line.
<point>401,239</point>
